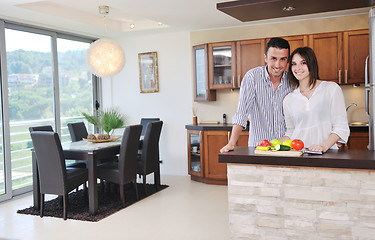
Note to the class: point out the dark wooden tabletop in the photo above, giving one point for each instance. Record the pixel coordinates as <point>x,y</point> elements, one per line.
<point>349,159</point>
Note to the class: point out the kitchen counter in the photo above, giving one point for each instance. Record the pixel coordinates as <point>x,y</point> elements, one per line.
<point>329,196</point>
<point>211,127</point>
<point>349,159</point>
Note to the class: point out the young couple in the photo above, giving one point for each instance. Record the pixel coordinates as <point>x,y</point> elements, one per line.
<point>294,105</point>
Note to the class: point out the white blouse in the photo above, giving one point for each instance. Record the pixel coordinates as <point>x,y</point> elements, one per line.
<point>313,120</point>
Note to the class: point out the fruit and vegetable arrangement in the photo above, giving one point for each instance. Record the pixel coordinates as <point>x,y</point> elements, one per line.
<point>276,145</point>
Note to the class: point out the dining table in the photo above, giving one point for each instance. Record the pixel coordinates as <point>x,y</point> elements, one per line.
<point>81,150</point>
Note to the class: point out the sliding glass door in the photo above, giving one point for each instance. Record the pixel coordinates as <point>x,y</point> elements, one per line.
<point>30,96</point>
<point>75,83</point>
<point>45,81</point>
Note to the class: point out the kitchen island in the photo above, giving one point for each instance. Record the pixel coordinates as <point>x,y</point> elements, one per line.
<point>329,196</point>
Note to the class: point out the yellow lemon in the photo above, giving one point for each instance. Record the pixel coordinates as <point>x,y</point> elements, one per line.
<point>288,142</point>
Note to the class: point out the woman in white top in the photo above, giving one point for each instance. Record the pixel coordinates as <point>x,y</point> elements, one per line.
<point>315,111</point>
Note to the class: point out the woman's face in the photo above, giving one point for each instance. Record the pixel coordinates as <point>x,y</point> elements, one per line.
<point>299,68</point>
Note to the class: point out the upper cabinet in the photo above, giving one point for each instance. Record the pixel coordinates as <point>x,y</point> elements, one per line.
<point>328,51</point>
<point>200,61</point>
<point>341,55</point>
<point>341,58</point>
<point>250,54</point>
<point>222,65</point>
<point>355,50</point>
<point>297,41</point>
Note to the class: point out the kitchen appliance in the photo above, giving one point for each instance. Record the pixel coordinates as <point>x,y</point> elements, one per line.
<point>370,80</point>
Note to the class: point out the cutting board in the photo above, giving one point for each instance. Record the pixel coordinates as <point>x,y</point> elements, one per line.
<point>290,153</point>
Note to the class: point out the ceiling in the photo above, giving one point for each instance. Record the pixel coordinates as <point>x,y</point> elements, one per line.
<point>82,16</point>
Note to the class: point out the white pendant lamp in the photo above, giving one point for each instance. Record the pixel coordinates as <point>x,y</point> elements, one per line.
<point>105,58</point>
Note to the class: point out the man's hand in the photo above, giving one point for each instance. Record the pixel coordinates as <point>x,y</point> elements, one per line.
<point>227,148</point>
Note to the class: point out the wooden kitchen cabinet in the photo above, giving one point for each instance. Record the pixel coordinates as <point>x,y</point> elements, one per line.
<point>358,139</point>
<point>328,51</point>
<point>200,64</point>
<point>195,145</point>
<point>355,51</point>
<point>297,41</point>
<point>214,141</point>
<point>203,150</point>
<point>341,55</point>
<point>294,41</point>
<point>250,54</point>
<point>222,65</point>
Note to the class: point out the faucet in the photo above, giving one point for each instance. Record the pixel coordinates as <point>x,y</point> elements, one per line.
<point>352,104</point>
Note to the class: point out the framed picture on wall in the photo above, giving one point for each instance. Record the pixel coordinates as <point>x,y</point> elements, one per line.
<point>148,72</point>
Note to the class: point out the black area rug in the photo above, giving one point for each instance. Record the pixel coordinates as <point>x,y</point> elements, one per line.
<point>108,203</point>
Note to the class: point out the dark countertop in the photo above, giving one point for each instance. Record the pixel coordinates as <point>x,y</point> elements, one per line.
<point>347,159</point>
<point>211,127</point>
<point>358,128</point>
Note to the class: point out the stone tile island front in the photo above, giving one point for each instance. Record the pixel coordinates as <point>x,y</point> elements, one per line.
<point>329,196</point>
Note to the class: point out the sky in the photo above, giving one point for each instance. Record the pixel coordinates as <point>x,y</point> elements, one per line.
<point>15,40</point>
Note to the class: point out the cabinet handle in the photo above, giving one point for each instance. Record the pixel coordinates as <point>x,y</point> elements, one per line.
<point>233,84</point>
<point>339,76</point>
<point>228,136</point>
<point>239,81</point>
<point>346,75</point>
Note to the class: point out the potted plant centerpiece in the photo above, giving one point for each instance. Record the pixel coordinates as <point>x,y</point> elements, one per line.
<point>107,121</point>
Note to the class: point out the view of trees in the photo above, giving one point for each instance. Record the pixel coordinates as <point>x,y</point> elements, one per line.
<point>31,85</point>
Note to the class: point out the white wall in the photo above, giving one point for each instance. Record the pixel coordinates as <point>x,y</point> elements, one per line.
<point>173,102</point>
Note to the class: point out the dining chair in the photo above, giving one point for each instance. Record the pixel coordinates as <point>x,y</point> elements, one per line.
<point>148,160</point>
<point>77,131</point>
<point>144,122</point>
<point>54,177</point>
<point>48,128</point>
<point>125,170</point>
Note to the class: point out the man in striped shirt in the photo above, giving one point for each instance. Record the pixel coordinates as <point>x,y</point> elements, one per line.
<point>261,97</point>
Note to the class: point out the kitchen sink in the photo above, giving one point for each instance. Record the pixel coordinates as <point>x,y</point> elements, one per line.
<point>358,124</point>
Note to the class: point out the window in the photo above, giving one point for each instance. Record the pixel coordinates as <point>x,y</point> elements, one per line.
<point>47,83</point>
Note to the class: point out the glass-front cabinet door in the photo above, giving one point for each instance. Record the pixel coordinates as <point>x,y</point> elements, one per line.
<point>222,65</point>
<point>194,153</point>
<point>201,90</point>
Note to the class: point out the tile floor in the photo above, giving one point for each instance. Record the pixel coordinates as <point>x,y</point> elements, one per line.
<point>186,210</point>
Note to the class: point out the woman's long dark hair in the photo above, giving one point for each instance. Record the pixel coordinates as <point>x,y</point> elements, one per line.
<point>312,64</point>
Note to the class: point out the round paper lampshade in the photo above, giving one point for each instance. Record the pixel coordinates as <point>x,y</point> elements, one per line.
<point>105,58</point>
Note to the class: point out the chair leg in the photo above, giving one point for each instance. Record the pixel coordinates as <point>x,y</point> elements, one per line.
<point>41,209</point>
<point>144,183</point>
<point>136,189</point>
<point>65,200</point>
<point>157,179</point>
<point>60,201</point>
<point>122,195</point>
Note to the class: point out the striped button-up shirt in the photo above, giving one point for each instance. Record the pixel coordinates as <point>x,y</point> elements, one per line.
<point>262,105</point>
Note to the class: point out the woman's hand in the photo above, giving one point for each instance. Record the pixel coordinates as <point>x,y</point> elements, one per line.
<point>227,148</point>
<point>318,148</point>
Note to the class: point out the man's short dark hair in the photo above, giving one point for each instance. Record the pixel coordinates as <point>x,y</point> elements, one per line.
<point>278,43</point>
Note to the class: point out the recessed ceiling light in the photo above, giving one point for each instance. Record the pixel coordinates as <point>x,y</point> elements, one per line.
<point>160,24</point>
<point>288,8</point>
<point>132,26</point>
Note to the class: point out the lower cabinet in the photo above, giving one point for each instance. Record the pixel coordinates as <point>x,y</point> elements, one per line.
<point>211,171</point>
<point>358,140</point>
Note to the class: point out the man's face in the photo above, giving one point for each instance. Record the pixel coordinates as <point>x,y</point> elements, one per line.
<point>277,60</point>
